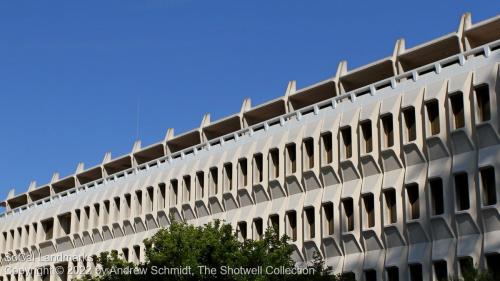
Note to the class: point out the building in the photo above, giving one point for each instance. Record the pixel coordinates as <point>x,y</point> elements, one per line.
<point>391,171</point>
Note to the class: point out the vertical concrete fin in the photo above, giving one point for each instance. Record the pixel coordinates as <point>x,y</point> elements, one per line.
<point>55,177</point>
<point>11,194</point>
<point>137,146</point>
<point>245,106</point>
<point>399,48</point>
<point>291,88</point>
<point>465,23</point>
<point>32,185</point>
<point>80,168</point>
<point>341,70</point>
<point>204,122</point>
<point>107,158</point>
<point>168,136</point>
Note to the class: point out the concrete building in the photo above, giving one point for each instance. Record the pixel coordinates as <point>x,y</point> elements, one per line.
<point>391,171</point>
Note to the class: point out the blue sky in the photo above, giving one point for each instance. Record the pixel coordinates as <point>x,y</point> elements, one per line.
<point>72,72</point>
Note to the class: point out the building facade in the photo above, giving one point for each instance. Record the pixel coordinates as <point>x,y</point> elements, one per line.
<point>390,171</point>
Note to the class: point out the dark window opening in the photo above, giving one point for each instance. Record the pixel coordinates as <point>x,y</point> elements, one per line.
<point>392,273</point>
<point>369,210</point>
<point>387,125</point>
<point>274,163</point>
<point>328,221</point>
<point>437,200</point>
<point>213,181</point>
<point>390,201</point>
<point>257,168</point>
<point>291,228</point>
<point>347,141</point>
<point>457,108</point>
<point>462,191</point>
<point>310,223</point>
<point>416,272</point>
<point>366,131</point>
<point>413,201</point>
<point>441,271</point>
<point>488,185</point>
<point>228,177</point>
<point>349,214</point>
<point>483,103</point>
<point>411,128</point>
<point>433,116</point>
<point>242,172</point>
<point>308,153</point>
<point>326,148</point>
<point>291,164</point>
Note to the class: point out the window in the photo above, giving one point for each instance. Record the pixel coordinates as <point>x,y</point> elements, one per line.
<point>366,132</point>
<point>274,222</point>
<point>308,152</point>
<point>440,271</point>
<point>97,209</point>
<point>416,272</point>
<point>348,214</point>
<point>328,226</point>
<point>228,177</point>
<point>413,202</point>
<point>242,230</point>
<point>347,141</point>
<point>492,261</point>
<point>48,228</point>
<point>200,185</point>
<point>291,160</point>
<point>370,275</point>
<point>162,192</point>
<point>257,168</point>
<point>483,102</point>
<point>128,200</point>
<point>151,198</point>
<point>466,265</point>
<point>174,193</point>
<point>291,225</point>
<point>138,196</point>
<point>369,210</point>
<point>213,181</point>
<point>65,223</point>
<point>462,191</point>
<point>309,225</point>
<point>105,215</point>
<point>457,108</point>
<point>258,230</point>
<point>411,128</point>
<point>242,172</point>
<point>388,130</point>
<point>274,163</point>
<point>186,181</point>
<point>326,148</point>
<point>390,203</point>
<point>437,202</point>
<point>432,108</point>
<point>488,185</point>
<point>392,273</point>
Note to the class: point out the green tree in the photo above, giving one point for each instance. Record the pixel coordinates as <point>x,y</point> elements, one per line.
<point>215,246</point>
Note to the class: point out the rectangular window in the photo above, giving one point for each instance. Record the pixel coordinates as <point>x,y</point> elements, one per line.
<point>465,265</point>
<point>346,141</point>
<point>413,202</point>
<point>492,262</point>
<point>274,163</point>
<point>326,148</point>
<point>432,108</point>
<point>274,222</point>
<point>258,229</point>
<point>328,226</point>
<point>392,273</point>
<point>488,185</point>
<point>416,272</point>
<point>369,210</point>
<point>151,198</point>
<point>105,215</point>
<point>483,102</point>
<point>308,152</point>
<point>48,228</point>
<point>437,200</point>
<point>186,181</point>
<point>242,172</point>
<point>390,203</point>
<point>348,214</point>
<point>440,270</point>
<point>388,130</point>
<point>200,185</point>
<point>213,181</point>
<point>370,275</point>
<point>462,191</point>
<point>366,132</point>
<point>228,177</point>
<point>291,159</point>
<point>162,192</point>
<point>257,168</point>
<point>65,223</point>
<point>128,207</point>
<point>411,128</point>
<point>138,195</point>
<point>174,192</point>
<point>457,108</point>
<point>291,225</point>
<point>309,225</point>
<point>242,230</point>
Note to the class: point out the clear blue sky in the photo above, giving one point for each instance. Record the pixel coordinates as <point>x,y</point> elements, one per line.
<point>71,72</point>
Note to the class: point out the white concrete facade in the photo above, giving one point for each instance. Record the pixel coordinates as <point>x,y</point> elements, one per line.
<point>390,171</point>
